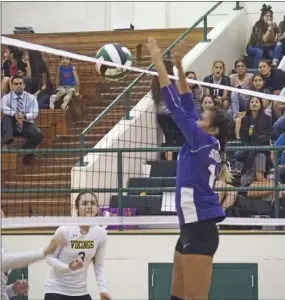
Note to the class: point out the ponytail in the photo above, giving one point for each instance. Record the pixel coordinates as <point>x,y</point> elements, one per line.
<point>225,174</point>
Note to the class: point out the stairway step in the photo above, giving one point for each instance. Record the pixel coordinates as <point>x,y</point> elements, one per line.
<point>65,145</point>
<point>75,137</point>
<point>39,184</point>
<point>53,176</point>
<point>54,167</point>
<point>34,197</point>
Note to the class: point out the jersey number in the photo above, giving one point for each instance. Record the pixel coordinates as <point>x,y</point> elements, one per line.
<point>212,179</point>
<point>82,255</point>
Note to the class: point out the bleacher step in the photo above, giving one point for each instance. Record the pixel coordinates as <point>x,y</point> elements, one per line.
<point>53,176</point>
<point>38,184</point>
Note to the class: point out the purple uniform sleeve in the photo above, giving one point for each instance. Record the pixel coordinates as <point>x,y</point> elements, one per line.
<point>196,138</point>
<point>187,103</point>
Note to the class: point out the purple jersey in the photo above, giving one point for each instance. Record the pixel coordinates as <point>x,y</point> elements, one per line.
<point>198,163</point>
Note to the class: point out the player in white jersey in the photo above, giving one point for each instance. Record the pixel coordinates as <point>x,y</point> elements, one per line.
<point>20,260</point>
<point>70,263</point>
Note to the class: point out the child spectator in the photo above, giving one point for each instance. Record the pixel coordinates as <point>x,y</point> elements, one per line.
<point>67,83</point>
<point>262,39</point>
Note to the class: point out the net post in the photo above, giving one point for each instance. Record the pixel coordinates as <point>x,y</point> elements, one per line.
<point>120,184</point>
<point>205,30</point>
<point>238,7</point>
<point>276,183</point>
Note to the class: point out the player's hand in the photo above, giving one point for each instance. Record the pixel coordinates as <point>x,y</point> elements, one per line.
<point>105,296</point>
<point>75,265</point>
<point>178,53</point>
<point>154,50</point>
<point>21,287</point>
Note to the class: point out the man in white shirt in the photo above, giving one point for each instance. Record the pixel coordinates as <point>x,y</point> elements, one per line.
<point>20,110</point>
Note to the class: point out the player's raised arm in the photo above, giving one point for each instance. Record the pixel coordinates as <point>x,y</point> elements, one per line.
<point>186,96</point>
<point>194,135</point>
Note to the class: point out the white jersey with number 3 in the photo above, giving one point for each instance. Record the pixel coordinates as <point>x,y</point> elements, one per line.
<point>89,247</point>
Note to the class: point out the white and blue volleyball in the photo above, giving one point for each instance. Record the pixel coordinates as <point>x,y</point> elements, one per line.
<point>114,53</point>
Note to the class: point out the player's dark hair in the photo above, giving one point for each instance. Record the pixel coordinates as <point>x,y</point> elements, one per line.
<point>155,85</point>
<point>78,198</point>
<point>221,121</point>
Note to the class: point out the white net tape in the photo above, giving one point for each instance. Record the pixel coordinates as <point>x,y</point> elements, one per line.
<point>171,221</point>
<point>30,46</point>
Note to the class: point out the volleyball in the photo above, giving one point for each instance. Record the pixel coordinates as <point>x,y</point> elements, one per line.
<point>114,53</point>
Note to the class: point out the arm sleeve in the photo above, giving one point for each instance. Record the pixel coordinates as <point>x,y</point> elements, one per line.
<point>33,109</point>
<point>10,292</point>
<point>187,103</point>
<point>99,266</point>
<point>52,260</point>
<point>5,108</point>
<point>196,138</point>
<point>20,260</point>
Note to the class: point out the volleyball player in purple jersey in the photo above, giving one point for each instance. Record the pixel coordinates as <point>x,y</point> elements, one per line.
<point>199,165</point>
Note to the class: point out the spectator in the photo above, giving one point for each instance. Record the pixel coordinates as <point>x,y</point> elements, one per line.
<point>218,76</point>
<point>256,168</point>
<point>172,134</point>
<point>262,39</point>
<point>67,83</point>
<point>207,102</point>
<point>196,91</point>
<point>42,87</point>
<point>242,80</point>
<point>258,86</point>
<point>255,123</point>
<point>274,81</point>
<point>20,110</point>
<point>280,44</point>
<point>14,64</point>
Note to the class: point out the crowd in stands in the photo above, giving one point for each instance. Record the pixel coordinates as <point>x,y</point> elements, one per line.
<point>256,121</point>
<point>26,88</point>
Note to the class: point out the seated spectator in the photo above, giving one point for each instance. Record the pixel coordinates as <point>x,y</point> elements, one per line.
<point>196,91</point>
<point>14,64</point>
<point>67,83</point>
<point>256,168</point>
<point>171,132</point>
<point>274,81</point>
<point>254,123</point>
<point>242,80</point>
<point>274,78</point>
<point>42,87</point>
<point>280,44</point>
<point>262,39</point>
<point>218,76</point>
<point>20,110</point>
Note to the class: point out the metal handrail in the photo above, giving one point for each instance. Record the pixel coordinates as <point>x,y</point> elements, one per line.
<point>129,87</point>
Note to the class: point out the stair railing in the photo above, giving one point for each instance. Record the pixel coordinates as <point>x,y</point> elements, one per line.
<point>127,90</point>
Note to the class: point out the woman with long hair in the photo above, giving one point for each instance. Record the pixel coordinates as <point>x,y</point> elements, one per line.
<point>199,165</point>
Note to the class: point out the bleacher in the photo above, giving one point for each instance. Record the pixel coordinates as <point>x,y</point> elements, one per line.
<point>62,128</point>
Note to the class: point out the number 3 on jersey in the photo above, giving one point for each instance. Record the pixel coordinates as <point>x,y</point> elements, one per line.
<point>212,178</point>
<point>82,255</point>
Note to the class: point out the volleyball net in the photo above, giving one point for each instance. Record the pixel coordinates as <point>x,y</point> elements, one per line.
<point>116,142</point>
